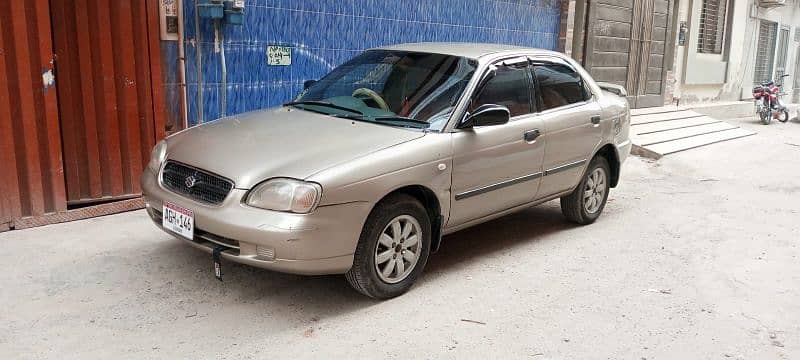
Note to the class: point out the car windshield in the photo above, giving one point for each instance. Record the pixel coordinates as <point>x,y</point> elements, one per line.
<point>397,88</point>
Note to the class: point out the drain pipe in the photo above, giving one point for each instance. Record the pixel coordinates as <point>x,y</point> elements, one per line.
<point>182,68</point>
<point>199,64</point>
<point>224,78</point>
<point>219,43</point>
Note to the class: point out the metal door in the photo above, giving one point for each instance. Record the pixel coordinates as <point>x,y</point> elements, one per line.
<point>783,49</point>
<point>110,101</point>
<point>30,149</point>
<point>626,41</point>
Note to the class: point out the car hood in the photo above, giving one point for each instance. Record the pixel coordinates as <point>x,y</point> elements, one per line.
<point>280,142</point>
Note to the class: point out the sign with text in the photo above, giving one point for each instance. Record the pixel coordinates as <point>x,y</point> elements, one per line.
<point>279,55</point>
<point>169,19</point>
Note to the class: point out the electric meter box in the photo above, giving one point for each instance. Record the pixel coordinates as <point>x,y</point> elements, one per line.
<point>234,12</point>
<point>212,9</point>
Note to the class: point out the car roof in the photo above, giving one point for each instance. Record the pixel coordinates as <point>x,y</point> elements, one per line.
<point>468,50</point>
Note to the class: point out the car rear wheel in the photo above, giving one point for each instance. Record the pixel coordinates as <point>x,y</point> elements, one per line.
<point>585,204</point>
<point>393,248</point>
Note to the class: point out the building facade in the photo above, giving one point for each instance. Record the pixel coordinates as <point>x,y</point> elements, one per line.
<point>729,46</point>
<point>88,86</point>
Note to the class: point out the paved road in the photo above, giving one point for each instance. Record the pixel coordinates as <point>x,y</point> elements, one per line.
<point>696,256</point>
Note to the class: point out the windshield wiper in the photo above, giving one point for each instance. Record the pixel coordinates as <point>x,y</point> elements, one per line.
<point>323,103</point>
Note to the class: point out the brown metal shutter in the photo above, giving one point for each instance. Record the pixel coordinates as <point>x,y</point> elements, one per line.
<point>31,175</point>
<point>107,100</point>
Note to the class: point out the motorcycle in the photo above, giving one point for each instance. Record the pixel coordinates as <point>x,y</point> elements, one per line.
<point>768,103</point>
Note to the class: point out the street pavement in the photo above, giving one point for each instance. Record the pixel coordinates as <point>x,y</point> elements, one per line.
<point>695,257</point>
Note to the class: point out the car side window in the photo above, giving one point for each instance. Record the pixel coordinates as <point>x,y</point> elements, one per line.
<point>510,87</point>
<point>559,85</point>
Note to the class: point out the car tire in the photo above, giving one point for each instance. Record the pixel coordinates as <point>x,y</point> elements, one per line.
<point>583,207</point>
<point>379,237</point>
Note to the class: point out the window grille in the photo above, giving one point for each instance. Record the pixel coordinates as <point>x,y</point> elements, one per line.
<point>765,54</point>
<point>712,26</point>
<point>781,52</point>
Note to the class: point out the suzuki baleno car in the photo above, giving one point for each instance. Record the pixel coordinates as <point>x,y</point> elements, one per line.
<point>365,171</point>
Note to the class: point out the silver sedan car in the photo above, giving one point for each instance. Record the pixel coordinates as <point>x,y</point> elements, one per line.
<point>365,171</point>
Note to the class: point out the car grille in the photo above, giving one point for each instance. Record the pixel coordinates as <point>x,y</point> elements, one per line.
<point>205,187</point>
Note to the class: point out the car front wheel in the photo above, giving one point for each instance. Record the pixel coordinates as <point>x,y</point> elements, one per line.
<point>393,248</point>
<point>585,204</point>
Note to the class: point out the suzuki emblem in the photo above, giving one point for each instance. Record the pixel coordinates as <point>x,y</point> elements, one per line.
<point>190,182</point>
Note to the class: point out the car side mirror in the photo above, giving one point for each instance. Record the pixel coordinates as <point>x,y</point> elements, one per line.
<point>486,115</point>
<point>308,83</point>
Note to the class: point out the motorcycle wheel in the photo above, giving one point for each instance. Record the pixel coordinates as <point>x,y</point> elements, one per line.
<point>785,116</point>
<point>766,116</point>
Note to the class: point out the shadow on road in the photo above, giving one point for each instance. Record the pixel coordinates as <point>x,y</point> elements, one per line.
<point>477,243</point>
<point>174,270</point>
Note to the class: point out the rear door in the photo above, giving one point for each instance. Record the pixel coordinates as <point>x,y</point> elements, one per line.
<point>495,167</point>
<point>571,120</point>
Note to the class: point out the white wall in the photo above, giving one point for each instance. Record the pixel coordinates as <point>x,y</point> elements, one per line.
<point>738,70</point>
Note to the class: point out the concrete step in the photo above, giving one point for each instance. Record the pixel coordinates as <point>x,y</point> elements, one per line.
<point>681,133</point>
<point>725,109</point>
<point>654,110</point>
<point>687,143</point>
<point>656,132</point>
<point>665,116</point>
<point>642,129</point>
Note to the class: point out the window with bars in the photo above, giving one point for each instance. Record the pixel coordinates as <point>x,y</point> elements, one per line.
<point>712,26</point>
<point>765,52</point>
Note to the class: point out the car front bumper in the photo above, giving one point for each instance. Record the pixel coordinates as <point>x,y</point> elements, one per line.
<point>319,243</point>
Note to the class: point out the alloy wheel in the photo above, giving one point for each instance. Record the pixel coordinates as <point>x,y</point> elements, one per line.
<point>398,249</point>
<point>594,191</point>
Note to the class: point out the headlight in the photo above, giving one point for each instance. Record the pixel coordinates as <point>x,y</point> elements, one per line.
<point>285,195</point>
<point>158,155</point>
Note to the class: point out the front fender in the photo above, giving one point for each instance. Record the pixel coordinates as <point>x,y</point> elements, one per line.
<point>426,162</point>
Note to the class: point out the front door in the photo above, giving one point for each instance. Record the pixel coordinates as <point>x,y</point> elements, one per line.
<point>626,41</point>
<point>498,167</point>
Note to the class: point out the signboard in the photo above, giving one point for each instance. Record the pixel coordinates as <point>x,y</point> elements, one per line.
<point>279,55</point>
<point>169,18</point>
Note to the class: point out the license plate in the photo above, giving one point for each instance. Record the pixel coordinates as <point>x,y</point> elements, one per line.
<point>178,220</point>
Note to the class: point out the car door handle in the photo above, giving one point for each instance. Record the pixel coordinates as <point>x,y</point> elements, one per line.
<point>531,135</point>
<point>596,120</point>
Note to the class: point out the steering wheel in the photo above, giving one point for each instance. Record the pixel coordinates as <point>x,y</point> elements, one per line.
<point>372,95</point>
